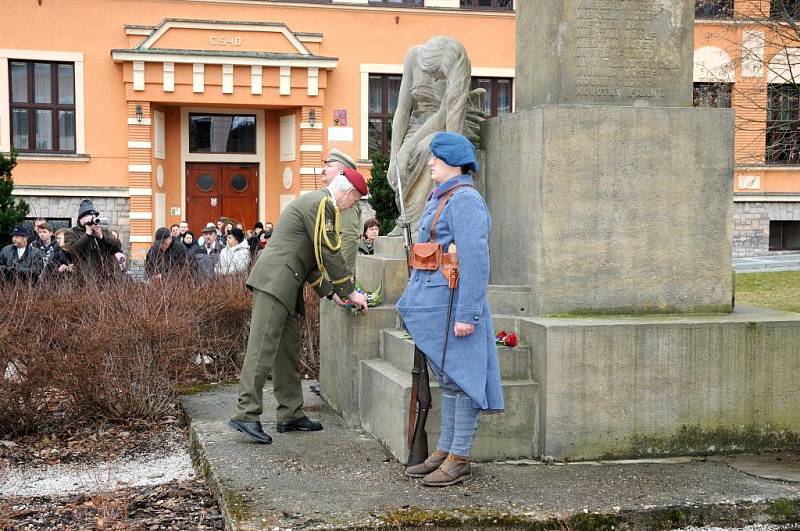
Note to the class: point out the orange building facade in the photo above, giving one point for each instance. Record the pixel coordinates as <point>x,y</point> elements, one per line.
<point>170,110</point>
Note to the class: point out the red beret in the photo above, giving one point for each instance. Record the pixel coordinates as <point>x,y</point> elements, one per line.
<point>357,180</point>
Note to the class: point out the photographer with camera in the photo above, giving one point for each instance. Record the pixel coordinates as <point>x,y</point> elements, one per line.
<point>92,248</point>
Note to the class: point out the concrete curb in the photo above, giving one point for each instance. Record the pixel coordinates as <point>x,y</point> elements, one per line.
<point>735,513</point>
<point>203,467</point>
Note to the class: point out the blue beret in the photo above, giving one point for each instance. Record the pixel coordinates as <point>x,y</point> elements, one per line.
<point>455,150</point>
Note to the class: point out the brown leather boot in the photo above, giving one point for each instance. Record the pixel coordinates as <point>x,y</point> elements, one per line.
<point>455,469</point>
<point>426,467</point>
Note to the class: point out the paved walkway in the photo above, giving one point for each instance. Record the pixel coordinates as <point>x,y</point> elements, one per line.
<point>344,478</point>
<point>760,264</point>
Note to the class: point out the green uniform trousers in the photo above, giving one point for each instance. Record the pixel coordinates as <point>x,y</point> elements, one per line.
<point>273,344</point>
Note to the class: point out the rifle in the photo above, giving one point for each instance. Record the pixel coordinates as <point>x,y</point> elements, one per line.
<point>420,403</point>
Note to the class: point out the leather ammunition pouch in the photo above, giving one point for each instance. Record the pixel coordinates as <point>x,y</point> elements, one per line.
<point>426,256</point>
<point>450,269</point>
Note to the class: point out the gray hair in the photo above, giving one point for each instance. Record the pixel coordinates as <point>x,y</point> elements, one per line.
<point>340,183</point>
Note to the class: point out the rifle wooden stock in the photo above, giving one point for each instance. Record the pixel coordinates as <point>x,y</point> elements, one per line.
<point>418,410</point>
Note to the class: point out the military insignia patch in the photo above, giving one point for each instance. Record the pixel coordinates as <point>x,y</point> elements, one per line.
<point>328,225</point>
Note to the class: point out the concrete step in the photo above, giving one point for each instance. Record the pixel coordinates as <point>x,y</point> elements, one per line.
<point>385,395</point>
<point>515,363</point>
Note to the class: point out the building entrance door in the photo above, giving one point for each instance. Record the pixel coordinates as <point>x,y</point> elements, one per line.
<point>214,190</point>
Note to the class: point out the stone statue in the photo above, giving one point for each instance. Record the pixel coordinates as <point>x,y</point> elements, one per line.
<point>434,96</point>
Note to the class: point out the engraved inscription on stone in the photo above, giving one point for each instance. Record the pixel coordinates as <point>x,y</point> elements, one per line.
<point>622,52</point>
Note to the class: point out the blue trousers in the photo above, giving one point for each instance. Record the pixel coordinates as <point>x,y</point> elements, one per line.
<point>459,417</point>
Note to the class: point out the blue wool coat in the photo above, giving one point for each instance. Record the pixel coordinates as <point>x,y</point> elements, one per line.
<point>471,361</point>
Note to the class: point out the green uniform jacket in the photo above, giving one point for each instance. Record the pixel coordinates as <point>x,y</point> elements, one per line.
<point>289,259</point>
<point>350,227</point>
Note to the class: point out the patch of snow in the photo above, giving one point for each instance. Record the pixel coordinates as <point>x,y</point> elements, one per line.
<point>172,464</point>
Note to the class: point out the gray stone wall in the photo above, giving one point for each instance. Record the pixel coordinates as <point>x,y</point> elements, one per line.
<point>751,225</point>
<point>612,209</point>
<point>115,209</point>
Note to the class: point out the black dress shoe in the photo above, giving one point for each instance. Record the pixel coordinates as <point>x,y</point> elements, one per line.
<point>251,428</point>
<point>301,424</point>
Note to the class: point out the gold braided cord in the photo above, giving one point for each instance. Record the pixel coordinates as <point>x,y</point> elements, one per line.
<point>340,281</point>
<point>317,282</point>
<point>321,235</point>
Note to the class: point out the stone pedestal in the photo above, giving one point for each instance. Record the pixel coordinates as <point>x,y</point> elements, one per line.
<point>612,209</point>
<point>666,385</point>
<point>346,340</point>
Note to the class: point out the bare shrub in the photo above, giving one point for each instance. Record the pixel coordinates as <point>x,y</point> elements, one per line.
<point>26,370</point>
<point>223,329</point>
<point>117,350</point>
<point>309,334</point>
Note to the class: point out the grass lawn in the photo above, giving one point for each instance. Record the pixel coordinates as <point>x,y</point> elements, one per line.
<point>779,291</point>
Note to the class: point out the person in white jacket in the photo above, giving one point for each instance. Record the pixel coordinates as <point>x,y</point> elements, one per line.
<point>235,257</point>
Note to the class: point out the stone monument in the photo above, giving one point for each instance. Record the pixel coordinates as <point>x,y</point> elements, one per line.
<point>624,188</point>
<point>611,200</point>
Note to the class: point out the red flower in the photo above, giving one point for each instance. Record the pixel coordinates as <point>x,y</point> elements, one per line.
<point>501,335</point>
<point>511,340</point>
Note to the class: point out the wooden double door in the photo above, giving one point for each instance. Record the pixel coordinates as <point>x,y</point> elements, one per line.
<point>215,190</point>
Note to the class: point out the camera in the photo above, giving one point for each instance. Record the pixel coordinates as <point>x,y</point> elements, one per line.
<point>94,221</point>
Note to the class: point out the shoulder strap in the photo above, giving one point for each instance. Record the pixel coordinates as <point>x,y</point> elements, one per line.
<point>445,199</point>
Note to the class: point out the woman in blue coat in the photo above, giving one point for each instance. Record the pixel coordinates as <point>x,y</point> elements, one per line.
<point>470,374</point>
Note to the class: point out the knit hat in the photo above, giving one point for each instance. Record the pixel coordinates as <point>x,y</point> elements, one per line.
<point>455,150</point>
<point>86,207</point>
<point>237,233</point>
<point>337,156</point>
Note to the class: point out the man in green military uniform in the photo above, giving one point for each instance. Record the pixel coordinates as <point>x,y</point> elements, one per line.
<point>351,219</point>
<point>305,246</point>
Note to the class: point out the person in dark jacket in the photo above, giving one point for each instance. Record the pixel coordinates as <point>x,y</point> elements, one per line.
<point>189,242</point>
<point>207,255</point>
<point>254,240</point>
<point>60,265</point>
<point>92,248</point>
<point>370,234</point>
<point>167,256</point>
<point>46,243</point>
<point>20,261</point>
<point>33,233</point>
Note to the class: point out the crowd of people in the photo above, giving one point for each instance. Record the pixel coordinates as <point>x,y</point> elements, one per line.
<point>84,251</point>
<point>222,248</point>
<point>89,250</point>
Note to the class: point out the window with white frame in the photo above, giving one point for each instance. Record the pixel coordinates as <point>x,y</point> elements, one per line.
<point>42,105</point>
